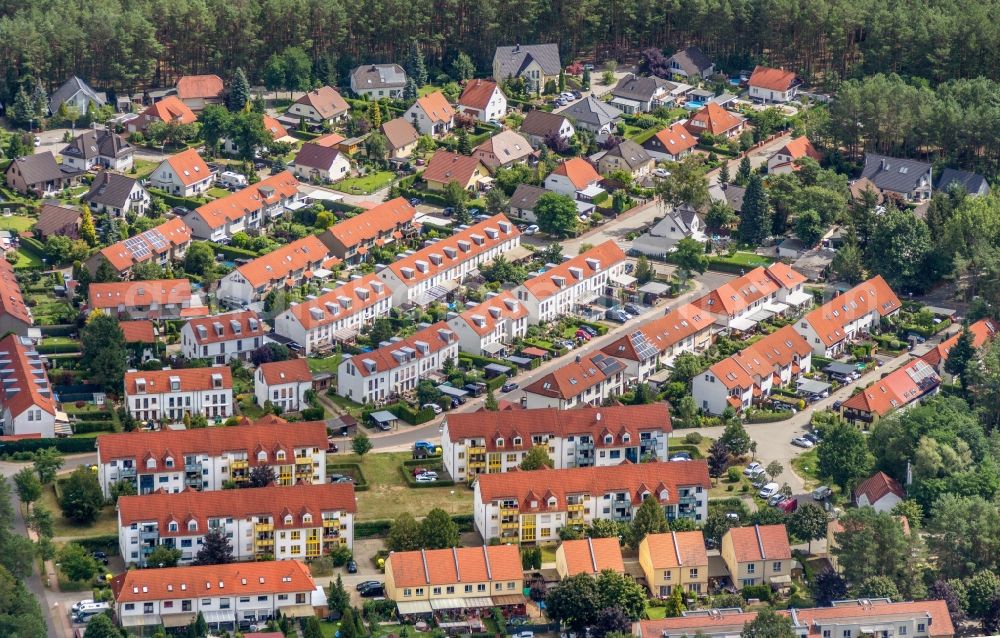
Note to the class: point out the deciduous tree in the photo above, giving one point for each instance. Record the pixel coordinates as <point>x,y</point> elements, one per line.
<point>556,214</point>
<point>438,530</point>
<point>215,548</point>
<point>536,458</point>
<point>81,498</point>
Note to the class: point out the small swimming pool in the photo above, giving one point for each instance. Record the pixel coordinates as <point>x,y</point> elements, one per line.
<point>694,105</point>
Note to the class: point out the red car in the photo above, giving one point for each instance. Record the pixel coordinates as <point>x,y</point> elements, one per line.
<point>788,505</point>
<point>580,334</point>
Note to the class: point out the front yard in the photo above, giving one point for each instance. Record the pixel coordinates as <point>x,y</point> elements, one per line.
<point>327,364</point>
<point>366,184</point>
<point>106,523</point>
<point>389,496</point>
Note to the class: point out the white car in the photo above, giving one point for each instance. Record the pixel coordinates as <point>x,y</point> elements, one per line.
<point>769,490</point>
<point>433,406</point>
<point>750,469</point>
<point>38,141</point>
<point>77,605</point>
<point>661,172</point>
<point>425,478</point>
<point>531,230</point>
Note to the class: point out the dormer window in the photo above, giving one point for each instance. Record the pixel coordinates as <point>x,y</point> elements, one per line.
<point>192,526</point>
<point>169,461</point>
<point>517,440</point>
<point>499,442</point>
<point>664,494</point>
<point>172,526</point>
<point>261,456</point>
<point>552,501</point>
<point>307,518</point>
<point>280,455</point>
<point>608,439</point>
<point>150,464</point>
<point>626,437</point>
<point>288,519</point>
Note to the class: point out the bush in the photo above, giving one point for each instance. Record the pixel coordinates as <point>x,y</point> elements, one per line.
<point>233,252</point>
<point>733,475</point>
<point>66,446</point>
<point>760,592</point>
<point>312,414</point>
<point>85,427</point>
<point>353,469</point>
<point>693,438</point>
<point>690,449</point>
<point>107,544</point>
<point>762,416</point>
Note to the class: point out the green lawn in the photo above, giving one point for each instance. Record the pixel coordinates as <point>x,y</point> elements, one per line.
<point>218,192</point>
<point>388,495</point>
<point>365,185</point>
<point>328,364</point>
<point>805,465</point>
<point>106,523</point>
<point>26,260</point>
<point>352,408</point>
<point>745,259</point>
<point>654,613</point>
<point>548,553</point>
<point>143,168</point>
<point>16,223</point>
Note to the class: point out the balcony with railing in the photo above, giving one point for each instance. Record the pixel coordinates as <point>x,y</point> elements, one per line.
<point>126,472</point>
<point>263,527</point>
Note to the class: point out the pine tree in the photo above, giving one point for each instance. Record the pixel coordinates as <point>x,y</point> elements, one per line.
<point>375,114</point>
<point>40,101</point>
<point>960,354</point>
<point>22,111</point>
<point>491,404</point>
<point>675,604</point>
<point>724,176</point>
<point>410,90</point>
<point>586,79</point>
<point>562,80</point>
<point>464,146</point>
<point>755,218</point>
<point>87,231</point>
<point>743,172</point>
<point>415,67</point>
<point>239,92</point>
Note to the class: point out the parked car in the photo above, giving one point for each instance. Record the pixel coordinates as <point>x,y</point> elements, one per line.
<point>822,493</point>
<point>417,471</point>
<point>433,406</point>
<point>101,557</point>
<point>577,95</point>
<point>415,201</point>
<point>38,141</point>
<point>531,230</point>
<point>568,344</point>
<point>582,334</point>
<point>352,567</point>
<point>77,605</point>
<point>365,584</point>
<point>496,123</point>
<point>508,387</point>
<point>373,591</point>
<point>811,437</point>
<point>424,445</point>
<point>776,498</point>
<point>589,330</point>
<point>769,490</point>
<point>430,473</point>
<point>801,441</point>
<point>661,172</point>
<point>788,505</point>
<point>426,478</point>
<point>751,469</point>
<point>342,479</point>
<point>616,315</point>
<point>632,309</point>
<point>680,456</point>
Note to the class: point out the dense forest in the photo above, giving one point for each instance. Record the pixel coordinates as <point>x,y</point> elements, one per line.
<point>133,44</point>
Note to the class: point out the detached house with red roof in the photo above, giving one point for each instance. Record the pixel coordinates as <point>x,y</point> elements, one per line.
<point>588,380</point>
<point>223,594</point>
<point>562,288</point>
<point>773,85</point>
<point>207,458</point>
<point>27,404</point>
<point>717,121</point>
<point>657,342</point>
<point>483,100</point>
<point>431,115</point>
<point>748,376</point>
<point>396,366</point>
<point>184,174</point>
<point>495,442</point>
<point>222,338</point>
<point>446,167</point>
<point>830,328</point>
<point>672,143</point>
<point>336,315</point>
<point>248,208</point>
<point>589,556</point>
<point>531,507</point>
<point>283,384</point>
<point>15,315</point>
<point>783,161</point>
<point>161,244</point>
<point>487,328</point>
<point>198,91</point>
<point>288,524</point>
<point>899,389</point>
<point>169,110</point>
<point>285,267</point>
<point>316,163</point>
<point>320,105</point>
<point>572,176</point>
<point>170,395</point>
<point>879,491</point>
<point>758,555</point>
<point>674,559</point>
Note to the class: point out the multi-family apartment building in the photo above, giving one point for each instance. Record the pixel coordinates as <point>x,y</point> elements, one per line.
<point>208,459</point>
<point>153,299</point>
<point>27,404</point>
<point>351,239</point>
<point>656,343</point>
<point>170,395</point>
<point>283,383</point>
<point>751,374</point>
<point>426,275</point>
<point>274,521</point>
<point>758,555</point>
<point>337,314</point>
<point>426,581</point>
<point>588,380</point>
<point>674,559</point>
<point>760,294</point>
<point>589,556</point>
<point>222,338</point>
<point>162,244</point>
<point>831,327</point>
<point>489,327</point>
<point>249,208</point>
<point>223,594</point>
<point>397,366</point>
<point>288,266</point>
<point>843,619</point>
<point>533,506</point>
<point>561,289</point>
<point>478,443</point>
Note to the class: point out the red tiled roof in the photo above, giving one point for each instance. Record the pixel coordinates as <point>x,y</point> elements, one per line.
<point>738,294</point>
<point>199,86</point>
<point>11,298</point>
<point>455,565</point>
<point>343,301</point>
<point>677,549</point>
<point>237,579</point>
<point>676,139</point>
<point>877,486</point>
<point>636,479</point>
<point>617,421</point>
<point>576,377</point>
<point>436,107</point>
<point>191,379</point>
<point>716,624</point>
<point>289,371</point>
<point>898,388</point>
<point>785,275</point>
<point>254,197</point>
<point>714,119</point>
<point>25,381</point>
<point>274,501</point>
<point>374,222</point>
<point>874,295</point>
<point>483,319</point>
<point>329,140</point>
<point>146,245</point>
<point>477,94</point>
<point>579,171</point>
<point>221,327</point>
<point>189,167</point>
<point>593,556</point>
<point>453,250</point>
<point>772,79</point>
<point>278,265</point>
<point>169,109</point>
<point>662,333</point>
<point>213,441</point>
<point>588,264</point>
<point>275,128</point>
<point>446,167</point>
<point>760,542</point>
<point>132,294</point>
<point>434,337</point>
<point>759,360</point>
<point>982,331</point>
<point>326,100</point>
<point>138,331</point>
<point>800,147</point>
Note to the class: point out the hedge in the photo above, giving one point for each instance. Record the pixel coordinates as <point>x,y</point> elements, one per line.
<point>718,150</point>
<point>725,265</point>
<point>768,417</point>
<point>341,207</point>
<point>599,327</point>
<point>32,245</point>
<point>427,196</point>
<point>57,348</point>
<point>481,361</point>
<point>107,543</point>
<point>360,482</point>
<point>404,412</point>
<point>84,427</point>
<point>66,446</point>
<point>371,529</point>
<point>59,330</point>
<point>690,449</point>
<point>88,415</point>
<point>234,252</point>
<point>190,203</point>
<point>313,414</point>
<point>496,382</point>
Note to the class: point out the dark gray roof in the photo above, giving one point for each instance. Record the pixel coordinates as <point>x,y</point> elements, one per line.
<point>631,153</point>
<point>510,61</point>
<point>316,156</point>
<point>593,112</point>
<point>110,189</point>
<point>633,87</point>
<point>70,88</point>
<point>379,76</point>
<point>973,183</point>
<point>541,123</point>
<point>894,174</point>
<point>39,168</point>
<point>53,218</point>
<point>103,143</point>
<point>733,195</point>
<point>526,196</point>
<point>692,59</point>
